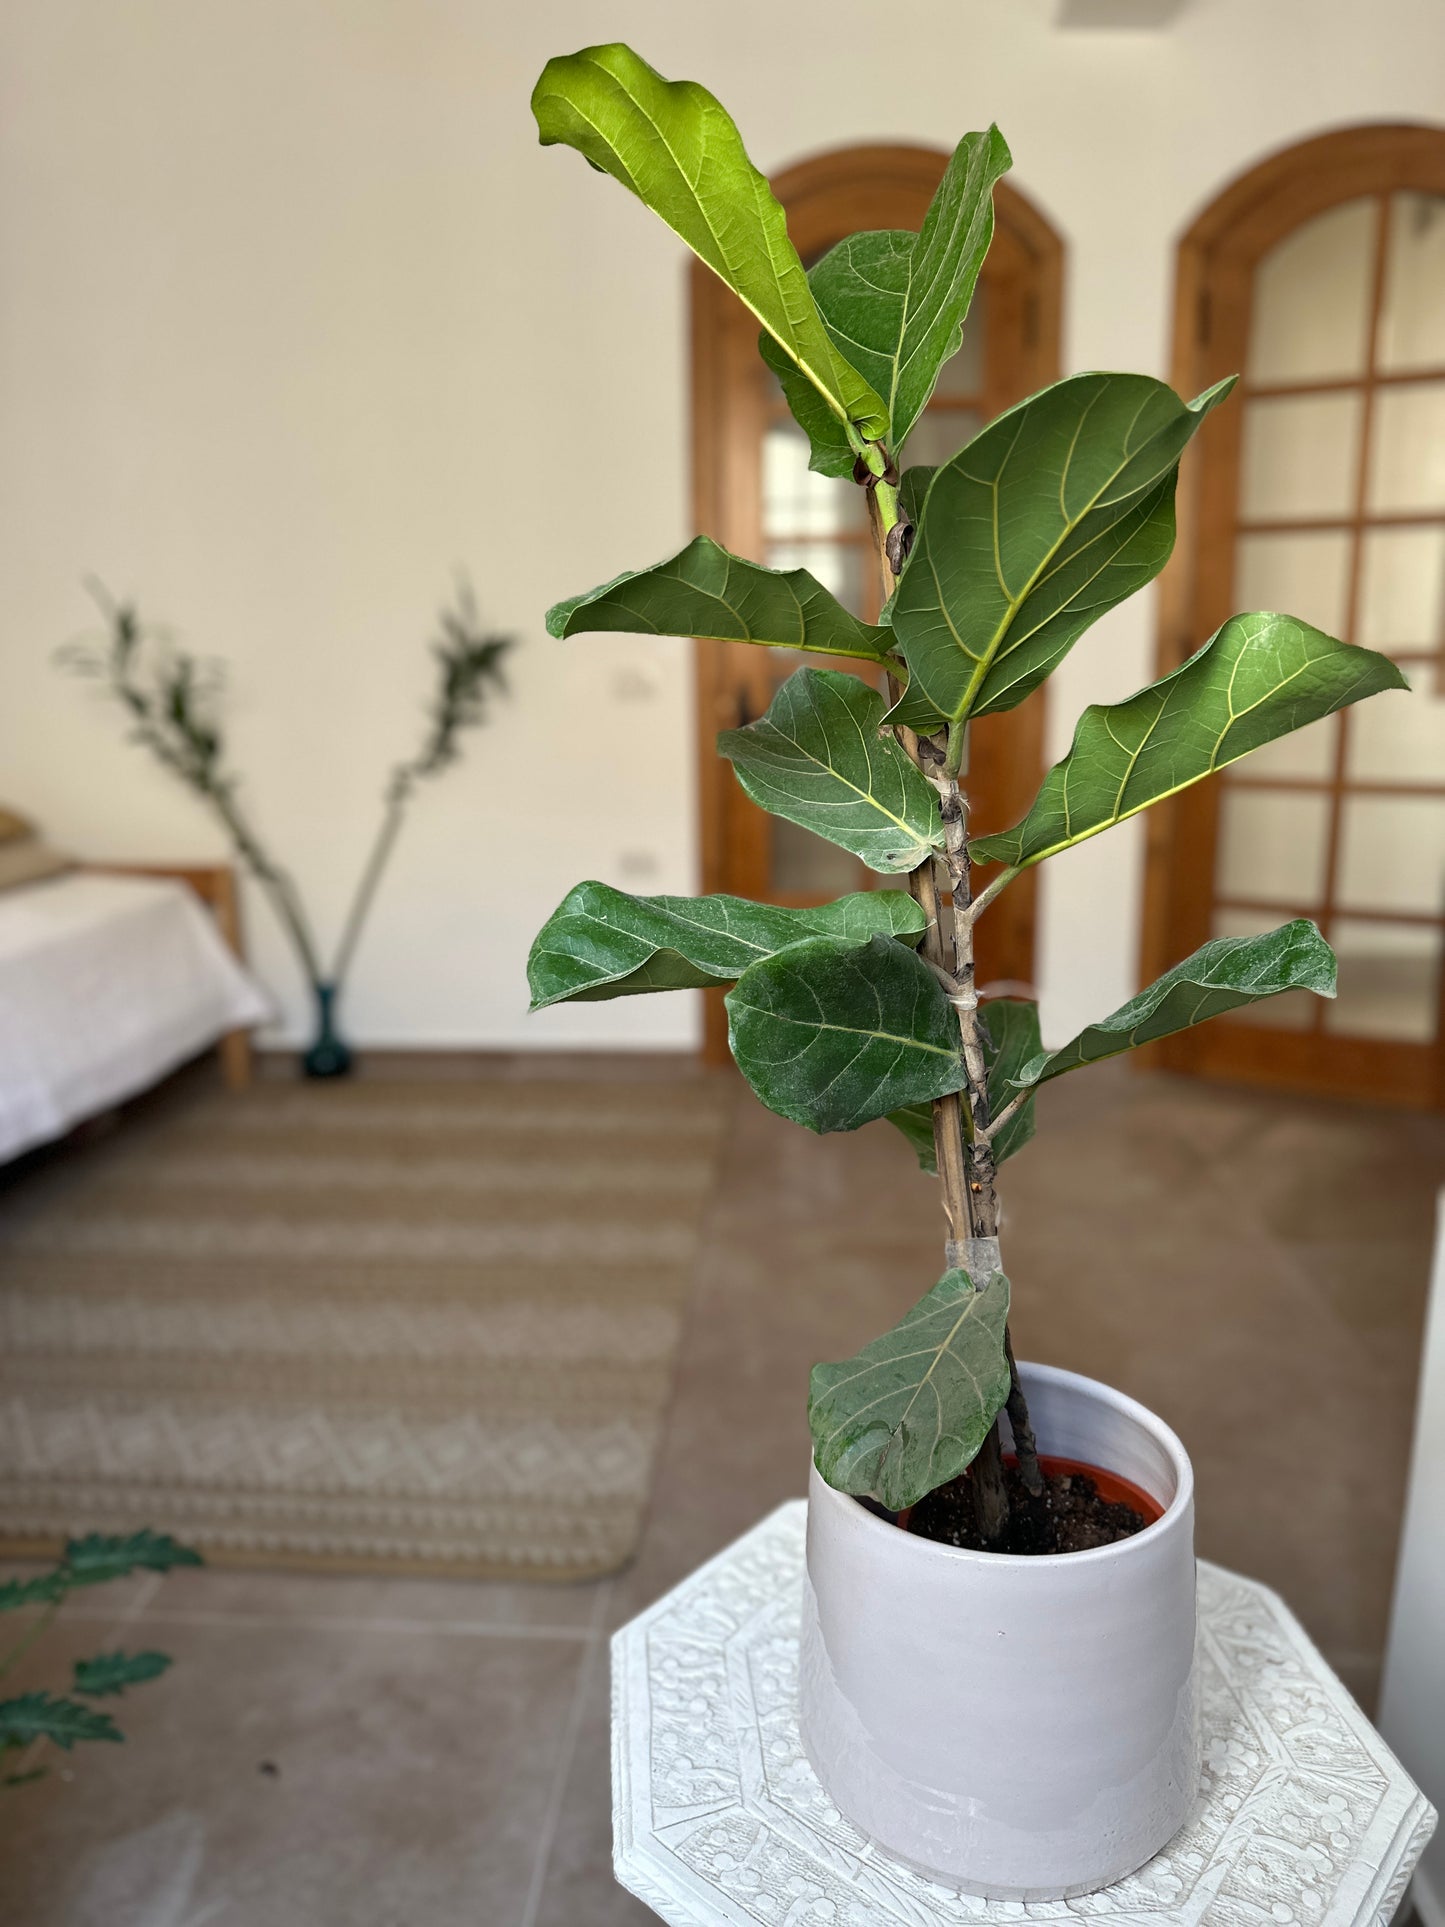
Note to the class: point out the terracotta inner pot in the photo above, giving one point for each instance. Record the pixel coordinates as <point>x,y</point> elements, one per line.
<point>1116,1490</point>
<point>1111,1487</point>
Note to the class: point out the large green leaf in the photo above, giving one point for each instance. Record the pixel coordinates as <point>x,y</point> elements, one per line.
<point>834,1034</point>
<point>1220,976</point>
<point>109,1673</point>
<point>704,591</point>
<point>1010,1029</point>
<point>1257,678</point>
<point>676,148</point>
<point>894,302</point>
<point>601,943</point>
<point>817,758</point>
<point>44,1716</point>
<point>1054,514</point>
<point>910,1411</point>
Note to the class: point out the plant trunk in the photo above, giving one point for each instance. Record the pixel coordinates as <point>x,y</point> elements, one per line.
<point>966,1172</point>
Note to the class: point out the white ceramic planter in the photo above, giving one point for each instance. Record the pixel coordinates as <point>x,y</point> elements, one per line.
<point>1025,1728</point>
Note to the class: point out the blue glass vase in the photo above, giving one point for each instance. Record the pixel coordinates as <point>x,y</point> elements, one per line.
<point>329,1055</point>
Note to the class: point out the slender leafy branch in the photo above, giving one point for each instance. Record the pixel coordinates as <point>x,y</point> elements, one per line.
<point>469,670</point>
<point>173,701</point>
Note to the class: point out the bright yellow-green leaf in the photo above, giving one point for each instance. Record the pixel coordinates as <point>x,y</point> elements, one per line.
<point>894,302</point>
<point>676,148</point>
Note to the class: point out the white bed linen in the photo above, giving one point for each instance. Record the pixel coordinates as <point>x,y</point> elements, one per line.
<point>106,983</point>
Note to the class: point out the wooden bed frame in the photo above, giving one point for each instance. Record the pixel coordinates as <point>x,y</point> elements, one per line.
<point>215,885</point>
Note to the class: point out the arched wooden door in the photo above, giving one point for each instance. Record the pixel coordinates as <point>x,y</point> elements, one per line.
<point>754,493</point>
<point>1320,278</point>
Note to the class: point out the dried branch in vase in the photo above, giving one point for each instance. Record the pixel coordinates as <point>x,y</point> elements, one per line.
<point>173,700</point>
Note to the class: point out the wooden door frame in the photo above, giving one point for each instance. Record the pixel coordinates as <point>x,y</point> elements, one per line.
<point>1216,262</point>
<point>829,194</point>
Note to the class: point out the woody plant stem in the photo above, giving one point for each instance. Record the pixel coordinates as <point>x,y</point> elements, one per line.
<point>962,1128</point>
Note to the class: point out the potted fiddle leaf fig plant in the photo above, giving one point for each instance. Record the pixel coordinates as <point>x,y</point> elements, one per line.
<point>998,1624</point>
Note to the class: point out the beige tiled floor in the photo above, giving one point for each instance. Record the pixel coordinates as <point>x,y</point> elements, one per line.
<point>1253,1267</point>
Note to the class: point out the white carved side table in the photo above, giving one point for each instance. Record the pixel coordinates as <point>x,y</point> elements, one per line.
<point>1304,1818</point>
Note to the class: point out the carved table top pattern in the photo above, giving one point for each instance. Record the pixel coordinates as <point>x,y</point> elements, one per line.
<point>1305,1819</point>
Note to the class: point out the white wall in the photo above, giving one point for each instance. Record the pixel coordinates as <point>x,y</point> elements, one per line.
<point>1412,1696</point>
<point>295,317</point>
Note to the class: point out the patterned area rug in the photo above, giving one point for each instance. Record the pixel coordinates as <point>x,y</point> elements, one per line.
<point>372,1324</point>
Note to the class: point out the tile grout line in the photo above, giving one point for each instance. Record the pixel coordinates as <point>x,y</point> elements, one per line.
<point>552,1814</point>
<point>145,1593</point>
<point>116,1621</point>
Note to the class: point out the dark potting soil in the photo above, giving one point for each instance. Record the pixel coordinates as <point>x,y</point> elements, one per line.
<point>1080,1507</point>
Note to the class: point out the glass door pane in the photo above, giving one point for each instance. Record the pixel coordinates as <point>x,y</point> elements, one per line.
<point>1402,596</point>
<point>1273,846</point>
<point>812,522</point>
<point>1300,456</point>
<point>1392,853</point>
<point>1399,737</point>
<point>1412,322</point>
<point>1307,755</point>
<point>1407,455</point>
<point>1311,314</point>
<point>1305,573</point>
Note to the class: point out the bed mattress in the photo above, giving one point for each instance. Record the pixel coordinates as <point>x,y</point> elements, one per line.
<point>106,984</point>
